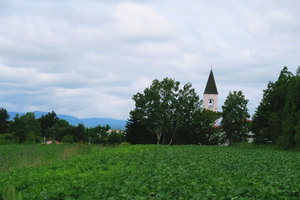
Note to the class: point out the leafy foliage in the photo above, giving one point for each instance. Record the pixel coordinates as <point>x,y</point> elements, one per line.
<point>47,121</point>
<point>167,112</point>
<point>26,127</point>
<point>277,117</point>
<point>161,172</point>
<point>234,117</point>
<point>203,127</point>
<point>3,120</point>
<point>115,138</point>
<point>98,134</point>
<point>60,129</point>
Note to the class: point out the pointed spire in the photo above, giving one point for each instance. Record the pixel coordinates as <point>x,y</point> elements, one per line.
<point>211,87</point>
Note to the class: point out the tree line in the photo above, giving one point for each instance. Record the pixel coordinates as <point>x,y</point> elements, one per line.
<point>27,128</point>
<point>277,118</point>
<point>166,113</point>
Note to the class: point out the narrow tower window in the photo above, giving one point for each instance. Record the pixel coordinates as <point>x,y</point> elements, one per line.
<point>210,103</point>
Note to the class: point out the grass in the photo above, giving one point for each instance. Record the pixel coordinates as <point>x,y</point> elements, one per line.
<point>18,156</point>
<point>158,172</point>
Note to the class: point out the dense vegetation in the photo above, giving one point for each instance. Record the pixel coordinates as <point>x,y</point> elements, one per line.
<point>18,156</point>
<point>28,129</point>
<point>277,118</point>
<point>161,172</point>
<point>234,118</point>
<point>166,113</point>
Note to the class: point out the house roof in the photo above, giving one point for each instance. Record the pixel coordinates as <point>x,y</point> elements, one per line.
<point>211,87</point>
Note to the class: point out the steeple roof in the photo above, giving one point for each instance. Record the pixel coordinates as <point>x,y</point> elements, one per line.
<point>211,87</point>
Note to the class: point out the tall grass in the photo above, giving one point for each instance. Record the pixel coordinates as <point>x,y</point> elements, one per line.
<point>18,156</point>
<point>10,193</point>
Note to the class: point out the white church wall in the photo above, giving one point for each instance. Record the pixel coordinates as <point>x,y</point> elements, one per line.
<point>214,97</point>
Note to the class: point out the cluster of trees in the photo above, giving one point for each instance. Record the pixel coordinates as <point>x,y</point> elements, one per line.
<point>277,118</point>
<point>27,128</point>
<point>166,113</point>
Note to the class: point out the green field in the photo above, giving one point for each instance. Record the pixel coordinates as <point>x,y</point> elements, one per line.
<point>152,172</point>
<point>18,156</point>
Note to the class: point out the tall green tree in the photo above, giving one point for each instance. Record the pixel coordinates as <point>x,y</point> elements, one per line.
<point>47,121</point>
<point>297,112</point>
<point>3,120</point>
<point>164,110</point>
<point>273,110</point>
<point>260,118</point>
<point>79,133</point>
<point>289,137</point>
<point>234,117</point>
<point>17,128</point>
<point>136,130</point>
<point>204,126</point>
<point>60,129</point>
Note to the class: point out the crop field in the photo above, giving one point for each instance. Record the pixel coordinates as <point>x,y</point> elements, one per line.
<point>158,172</point>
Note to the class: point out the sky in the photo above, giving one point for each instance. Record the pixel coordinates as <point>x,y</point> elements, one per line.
<point>87,58</point>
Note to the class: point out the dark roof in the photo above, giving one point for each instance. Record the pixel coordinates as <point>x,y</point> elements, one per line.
<point>211,87</point>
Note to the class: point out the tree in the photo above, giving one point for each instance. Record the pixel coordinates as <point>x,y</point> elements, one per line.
<point>260,124</point>
<point>298,71</point>
<point>188,107</point>
<point>137,132</point>
<point>60,129</point>
<point>3,120</point>
<point>277,118</point>
<point>98,134</point>
<point>47,121</point>
<point>79,133</point>
<point>289,137</point>
<point>115,138</point>
<point>17,128</point>
<point>203,126</point>
<point>26,127</point>
<point>234,117</point>
<point>268,120</point>
<point>164,110</point>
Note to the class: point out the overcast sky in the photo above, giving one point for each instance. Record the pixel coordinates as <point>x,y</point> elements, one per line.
<point>87,58</point>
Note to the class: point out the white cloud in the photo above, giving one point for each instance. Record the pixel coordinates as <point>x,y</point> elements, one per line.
<point>136,21</point>
<point>151,49</point>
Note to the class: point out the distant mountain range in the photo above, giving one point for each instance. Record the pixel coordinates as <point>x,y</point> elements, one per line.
<point>88,122</point>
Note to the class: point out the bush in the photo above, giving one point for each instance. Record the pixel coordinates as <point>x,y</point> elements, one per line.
<point>115,138</point>
<point>67,139</point>
<point>31,137</point>
<point>7,138</point>
<point>297,140</point>
<point>283,142</point>
<point>124,144</point>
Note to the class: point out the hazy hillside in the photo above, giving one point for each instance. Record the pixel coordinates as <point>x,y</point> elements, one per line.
<point>89,122</point>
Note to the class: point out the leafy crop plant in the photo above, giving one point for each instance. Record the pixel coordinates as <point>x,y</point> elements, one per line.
<point>161,172</point>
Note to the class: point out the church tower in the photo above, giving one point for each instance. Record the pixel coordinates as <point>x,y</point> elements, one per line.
<point>211,93</point>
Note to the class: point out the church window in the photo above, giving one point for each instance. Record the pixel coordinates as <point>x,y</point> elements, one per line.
<point>210,103</point>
